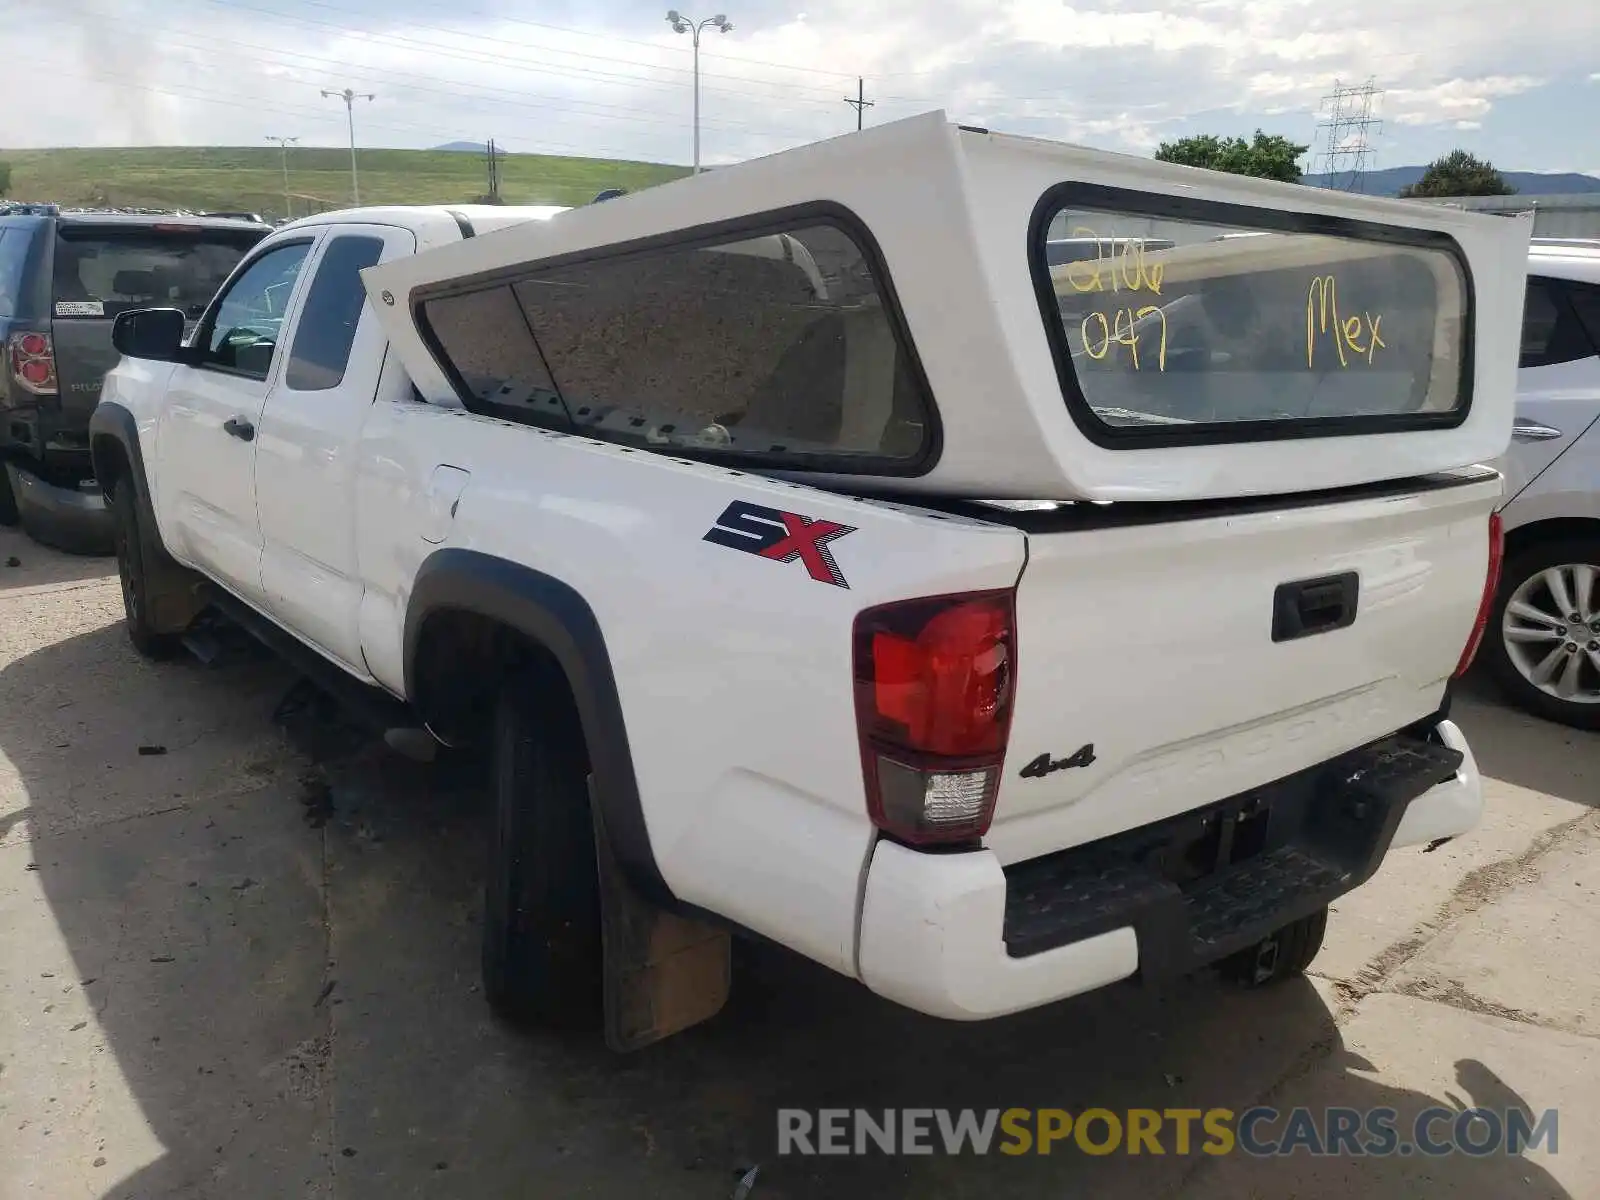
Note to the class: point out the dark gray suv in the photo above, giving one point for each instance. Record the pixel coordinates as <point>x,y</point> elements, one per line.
<point>64,278</point>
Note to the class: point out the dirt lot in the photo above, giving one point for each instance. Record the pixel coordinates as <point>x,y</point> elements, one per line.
<point>219,977</point>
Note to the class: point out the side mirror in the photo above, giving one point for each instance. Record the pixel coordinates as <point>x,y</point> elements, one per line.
<point>155,333</point>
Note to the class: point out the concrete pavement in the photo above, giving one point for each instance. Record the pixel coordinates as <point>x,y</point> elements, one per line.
<point>227,971</point>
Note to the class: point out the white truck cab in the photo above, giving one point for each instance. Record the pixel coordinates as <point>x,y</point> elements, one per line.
<point>822,555</point>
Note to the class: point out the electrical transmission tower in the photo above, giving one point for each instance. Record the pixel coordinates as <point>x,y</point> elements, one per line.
<point>1347,133</point>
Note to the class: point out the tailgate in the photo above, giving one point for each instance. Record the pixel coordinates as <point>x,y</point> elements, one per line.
<point>1180,650</point>
<point>84,354</point>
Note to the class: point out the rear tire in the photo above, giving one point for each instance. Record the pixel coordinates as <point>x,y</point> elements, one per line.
<point>542,963</point>
<point>1284,954</point>
<point>135,583</point>
<point>1499,659</point>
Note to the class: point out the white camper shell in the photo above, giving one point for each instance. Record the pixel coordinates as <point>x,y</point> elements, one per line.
<point>890,315</point>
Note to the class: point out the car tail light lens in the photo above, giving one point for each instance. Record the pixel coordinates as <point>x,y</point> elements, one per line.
<point>1491,584</point>
<point>935,682</point>
<point>33,362</point>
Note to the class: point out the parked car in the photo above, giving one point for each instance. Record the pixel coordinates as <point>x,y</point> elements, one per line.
<point>64,278</point>
<point>1544,641</point>
<point>713,514</point>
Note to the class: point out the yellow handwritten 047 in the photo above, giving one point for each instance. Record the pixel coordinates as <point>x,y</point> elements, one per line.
<point>1122,328</point>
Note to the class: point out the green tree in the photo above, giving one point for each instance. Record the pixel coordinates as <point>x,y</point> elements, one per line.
<point>5,178</point>
<point>1266,156</point>
<point>1459,174</point>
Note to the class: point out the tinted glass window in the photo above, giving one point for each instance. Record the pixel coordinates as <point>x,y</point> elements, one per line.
<point>327,326</point>
<point>13,256</point>
<point>244,332</point>
<point>1585,299</point>
<point>1551,330</point>
<point>778,346</point>
<point>100,272</point>
<point>1192,322</point>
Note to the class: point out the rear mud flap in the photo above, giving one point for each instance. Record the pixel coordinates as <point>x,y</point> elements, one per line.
<point>663,972</point>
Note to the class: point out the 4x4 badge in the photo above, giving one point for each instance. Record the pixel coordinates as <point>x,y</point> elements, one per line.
<point>781,536</point>
<point>1045,765</point>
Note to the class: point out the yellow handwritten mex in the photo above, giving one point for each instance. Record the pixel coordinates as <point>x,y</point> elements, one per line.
<point>1322,317</point>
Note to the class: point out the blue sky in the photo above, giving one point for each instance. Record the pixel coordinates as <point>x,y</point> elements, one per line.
<point>610,78</point>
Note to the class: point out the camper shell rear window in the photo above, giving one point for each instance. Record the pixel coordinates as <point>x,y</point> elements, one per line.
<point>776,342</point>
<point>1190,321</point>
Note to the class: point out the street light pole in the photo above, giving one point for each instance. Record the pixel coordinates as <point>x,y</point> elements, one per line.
<point>682,24</point>
<point>350,97</point>
<point>283,144</point>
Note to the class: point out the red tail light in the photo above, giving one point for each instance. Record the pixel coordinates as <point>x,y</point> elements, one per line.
<point>33,362</point>
<point>1491,584</point>
<point>935,680</point>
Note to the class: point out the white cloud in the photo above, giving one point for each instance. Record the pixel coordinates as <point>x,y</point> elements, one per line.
<point>1455,99</point>
<point>1118,73</point>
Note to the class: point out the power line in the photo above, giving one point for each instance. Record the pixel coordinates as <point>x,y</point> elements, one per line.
<point>392,82</point>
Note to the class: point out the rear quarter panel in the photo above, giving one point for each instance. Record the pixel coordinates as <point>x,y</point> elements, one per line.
<point>1568,488</point>
<point>734,670</point>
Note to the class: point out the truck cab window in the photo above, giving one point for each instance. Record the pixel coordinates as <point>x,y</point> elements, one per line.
<point>327,326</point>
<point>244,331</point>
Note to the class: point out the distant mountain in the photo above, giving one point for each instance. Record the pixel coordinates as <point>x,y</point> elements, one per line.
<point>471,147</point>
<point>1389,180</point>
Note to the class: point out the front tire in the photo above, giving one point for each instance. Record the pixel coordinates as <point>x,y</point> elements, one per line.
<point>1285,954</point>
<point>542,962</point>
<point>135,582</point>
<point>1542,646</point>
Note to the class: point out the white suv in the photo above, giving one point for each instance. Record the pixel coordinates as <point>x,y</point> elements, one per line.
<point>1544,642</point>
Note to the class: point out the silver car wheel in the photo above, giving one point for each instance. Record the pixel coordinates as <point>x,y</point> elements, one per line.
<point>1551,630</point>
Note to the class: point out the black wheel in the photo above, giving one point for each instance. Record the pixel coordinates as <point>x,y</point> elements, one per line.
<point>1542,645</point>
<point>541,924</point>
<point>8,499</point>
<point>135,586</point>
<point>1282,955</point>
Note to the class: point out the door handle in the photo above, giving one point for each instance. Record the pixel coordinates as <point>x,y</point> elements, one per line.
<point>240,428</point>
<point>1524,430</point>
<point>1311,606</point>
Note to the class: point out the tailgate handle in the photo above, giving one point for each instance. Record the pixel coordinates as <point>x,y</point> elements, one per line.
<point>1309,606</point>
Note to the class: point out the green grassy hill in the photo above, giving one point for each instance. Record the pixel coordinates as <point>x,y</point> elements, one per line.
<point>251,179</point>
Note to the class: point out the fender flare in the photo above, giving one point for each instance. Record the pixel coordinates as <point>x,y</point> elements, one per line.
<point>110,420</point>
<point>176,593</point>
<point>551,613</point>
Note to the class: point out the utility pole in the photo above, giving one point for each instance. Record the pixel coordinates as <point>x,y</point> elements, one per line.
<point>1347,143</point>
<point>350,97</point>
<point>861,101</point>
<point>492,153</point>
<point>283,144</point>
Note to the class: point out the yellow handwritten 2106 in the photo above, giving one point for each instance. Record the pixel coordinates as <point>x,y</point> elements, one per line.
<point>1358,335</point>
<point>1128,270</point>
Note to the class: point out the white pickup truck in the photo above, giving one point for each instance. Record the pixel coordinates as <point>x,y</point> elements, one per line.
<point>821,556</point>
